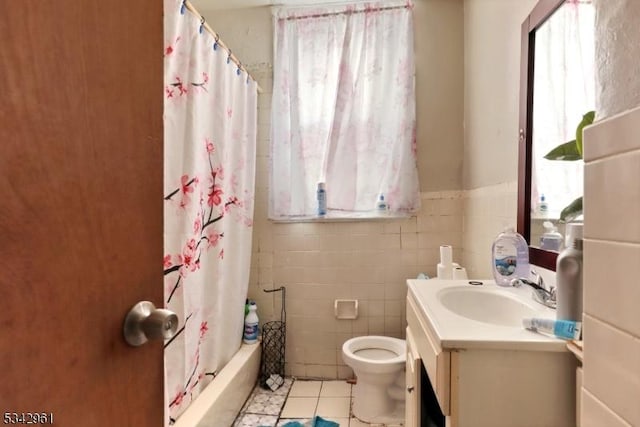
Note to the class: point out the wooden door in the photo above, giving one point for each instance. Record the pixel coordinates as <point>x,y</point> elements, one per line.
<point>80,208</point>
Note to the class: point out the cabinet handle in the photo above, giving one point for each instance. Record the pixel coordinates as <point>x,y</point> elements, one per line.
<point>410,389</point>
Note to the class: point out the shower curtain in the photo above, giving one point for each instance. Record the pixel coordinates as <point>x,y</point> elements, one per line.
<point>210,116</point>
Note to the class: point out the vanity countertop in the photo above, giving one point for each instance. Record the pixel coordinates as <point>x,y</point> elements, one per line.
<point>492,315</point>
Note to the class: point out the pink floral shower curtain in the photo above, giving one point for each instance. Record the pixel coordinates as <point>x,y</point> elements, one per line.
<point>210,136</point>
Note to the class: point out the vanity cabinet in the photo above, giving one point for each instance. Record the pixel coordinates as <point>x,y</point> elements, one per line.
<point>483,385</point>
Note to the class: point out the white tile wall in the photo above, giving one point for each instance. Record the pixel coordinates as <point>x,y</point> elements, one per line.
<point>596,414</point>
<point>611,376</point>
<point>612,368</point>
<point>487,210</point>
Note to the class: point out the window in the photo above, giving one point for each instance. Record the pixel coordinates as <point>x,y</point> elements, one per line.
<point>564,90</point>
<point>343,110</point>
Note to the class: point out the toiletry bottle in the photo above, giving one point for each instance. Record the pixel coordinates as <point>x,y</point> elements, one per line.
<point>561,328</point>
<point>551,240</point>
<point>445,266</point>
<point>569,278</point>
<point>322,199</point>
<point>381,204</point>
<point>509,257</point>
<point>251,325</point>
<point>543,207</point>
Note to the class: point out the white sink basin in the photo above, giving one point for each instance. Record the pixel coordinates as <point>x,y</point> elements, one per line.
<point>486,306</point>
<point>460,315</point>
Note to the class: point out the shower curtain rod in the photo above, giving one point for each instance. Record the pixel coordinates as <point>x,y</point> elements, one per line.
<point>347,12</point>
<point>234,58</point>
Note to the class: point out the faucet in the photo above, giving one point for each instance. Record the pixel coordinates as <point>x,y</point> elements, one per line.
<point>540,294</point>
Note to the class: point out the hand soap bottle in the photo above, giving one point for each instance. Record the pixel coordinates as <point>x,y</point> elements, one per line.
<point>509,257</point>
<point>569,277</point>
<point>551,240</point>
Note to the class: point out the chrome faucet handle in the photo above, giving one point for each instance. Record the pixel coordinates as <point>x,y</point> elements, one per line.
<point>540,294</point>
<point>540,282</point>
<point>538,278</point>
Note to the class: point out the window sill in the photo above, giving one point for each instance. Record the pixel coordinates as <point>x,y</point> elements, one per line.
<point>337,216</point>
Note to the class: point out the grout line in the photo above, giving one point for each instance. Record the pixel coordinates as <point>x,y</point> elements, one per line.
<point>315,411</point>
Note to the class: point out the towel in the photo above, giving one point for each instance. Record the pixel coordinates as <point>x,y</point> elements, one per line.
<point>320,422</point>
<point>315,422</point>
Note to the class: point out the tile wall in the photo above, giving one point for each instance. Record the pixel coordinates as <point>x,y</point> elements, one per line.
<point>487,211</point>
<point>321,262</point>
<point>611,383</point>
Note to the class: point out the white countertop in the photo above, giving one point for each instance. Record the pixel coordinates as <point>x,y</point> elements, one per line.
<point>453,331</point>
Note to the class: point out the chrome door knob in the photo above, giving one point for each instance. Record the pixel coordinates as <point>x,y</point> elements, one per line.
<point>145,322</point>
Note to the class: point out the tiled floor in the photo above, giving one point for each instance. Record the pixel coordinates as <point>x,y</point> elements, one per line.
<point>299,401</point>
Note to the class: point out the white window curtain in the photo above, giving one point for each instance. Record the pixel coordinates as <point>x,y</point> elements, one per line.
<point>564,90</point>
<point>343,109</point>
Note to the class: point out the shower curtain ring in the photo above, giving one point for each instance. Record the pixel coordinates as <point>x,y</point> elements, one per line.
<point>202,20</point>
<point>229,56</point>
<point>215,43</point>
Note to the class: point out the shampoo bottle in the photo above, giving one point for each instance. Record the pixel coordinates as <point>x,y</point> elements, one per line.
<point>509,257</point>
<point>543,207</point>
<point>321,194</point>
<point>251,325</point>
<point>381,204</point>
<point>569,277</point>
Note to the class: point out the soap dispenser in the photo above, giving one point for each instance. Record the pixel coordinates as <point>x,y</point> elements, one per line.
<point>509,257</point>
<point>569,276</point>
<point>551,240</point>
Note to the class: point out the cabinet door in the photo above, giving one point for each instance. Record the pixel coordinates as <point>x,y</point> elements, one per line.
<point>412,393</point>
<point>436,361</point>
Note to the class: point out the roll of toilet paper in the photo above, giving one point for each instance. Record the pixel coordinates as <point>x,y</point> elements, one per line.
<point>460,273</point>
<point>445,272</point>
<point>446,255</point>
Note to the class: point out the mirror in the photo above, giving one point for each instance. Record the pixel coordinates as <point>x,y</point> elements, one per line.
<point>557,87</point>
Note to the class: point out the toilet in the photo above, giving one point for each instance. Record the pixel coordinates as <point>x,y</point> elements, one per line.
<point>378,363</point>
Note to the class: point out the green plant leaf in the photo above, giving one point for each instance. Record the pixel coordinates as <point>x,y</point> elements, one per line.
<point>587,119</point>
<point>572,211</point>
<point>566,151</point>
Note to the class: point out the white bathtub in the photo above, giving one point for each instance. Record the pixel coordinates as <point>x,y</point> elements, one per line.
<point>221,401</point>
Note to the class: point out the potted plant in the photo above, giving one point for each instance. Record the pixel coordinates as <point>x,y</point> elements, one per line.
<point>571,151</point>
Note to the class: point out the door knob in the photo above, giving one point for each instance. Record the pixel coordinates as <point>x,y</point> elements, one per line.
<point>145,322</point>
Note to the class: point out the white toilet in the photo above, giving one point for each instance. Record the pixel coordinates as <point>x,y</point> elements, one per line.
<point>378,363</point>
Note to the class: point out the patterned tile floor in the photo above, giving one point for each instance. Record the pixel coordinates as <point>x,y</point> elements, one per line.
<point>299,401</point>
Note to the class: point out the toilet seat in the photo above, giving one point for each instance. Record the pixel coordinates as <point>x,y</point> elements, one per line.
<point>376,353</point>
<point>377,350</point>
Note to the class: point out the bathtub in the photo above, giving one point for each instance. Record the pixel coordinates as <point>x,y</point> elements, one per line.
<point>221,401</point>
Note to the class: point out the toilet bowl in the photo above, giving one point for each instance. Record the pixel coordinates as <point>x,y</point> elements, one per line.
<point>378,363</point>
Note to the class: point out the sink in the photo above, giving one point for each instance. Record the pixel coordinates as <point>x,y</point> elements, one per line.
<point>487,316</point>
<point>485,305</point>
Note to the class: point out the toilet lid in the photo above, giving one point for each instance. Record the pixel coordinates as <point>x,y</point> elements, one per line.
<point>375,353</point>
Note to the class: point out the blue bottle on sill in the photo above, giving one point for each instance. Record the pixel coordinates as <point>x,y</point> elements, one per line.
<point>322,199</point>
<point>381,204</point>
